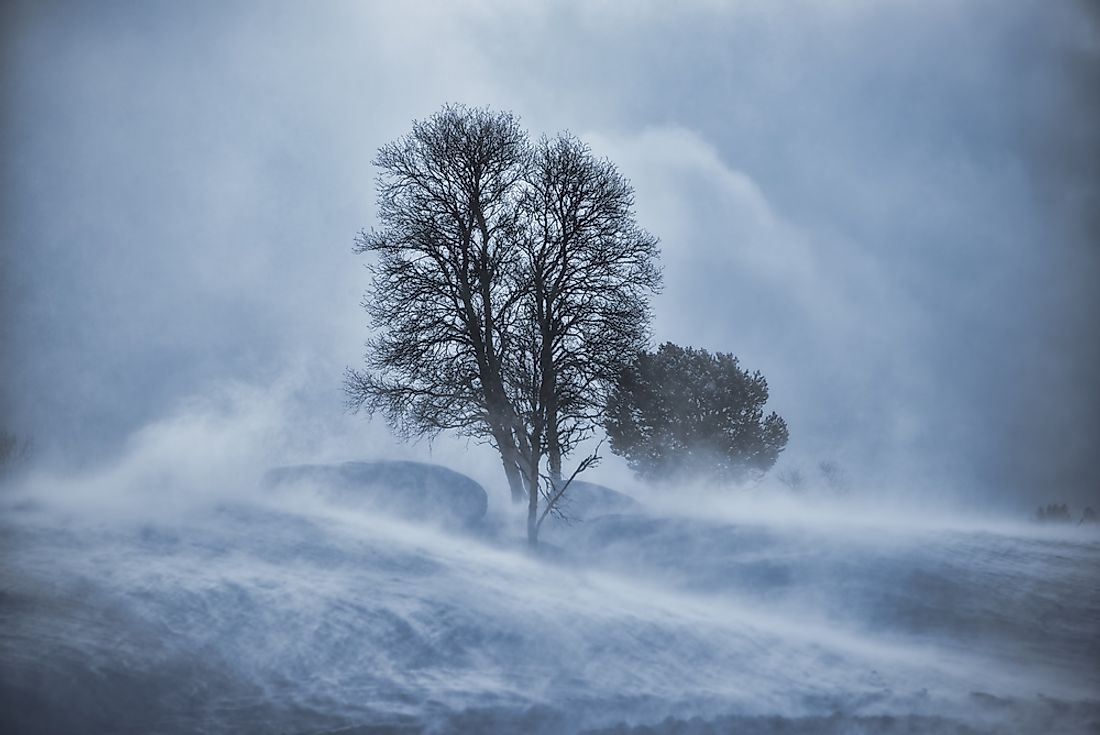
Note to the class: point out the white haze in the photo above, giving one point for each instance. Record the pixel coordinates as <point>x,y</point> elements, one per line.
<point>173,591</point>
<point>888,209</point>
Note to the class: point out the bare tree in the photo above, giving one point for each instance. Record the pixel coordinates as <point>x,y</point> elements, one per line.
<point>510,282</point>
<point>444,296</point>
<point>590,270</point>
<point>14,452</point>
<point>792,477</point>
<point>833,474</point>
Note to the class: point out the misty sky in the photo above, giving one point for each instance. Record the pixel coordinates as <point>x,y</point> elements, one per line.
<point>891,209</point>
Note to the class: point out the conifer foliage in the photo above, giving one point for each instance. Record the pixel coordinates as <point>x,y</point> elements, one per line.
<point>682,413</point>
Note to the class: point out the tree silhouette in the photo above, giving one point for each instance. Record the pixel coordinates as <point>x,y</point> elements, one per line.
<point>508,281</point>
<point>684,412</point>
<point>444,294</point>
<point>589,270</point>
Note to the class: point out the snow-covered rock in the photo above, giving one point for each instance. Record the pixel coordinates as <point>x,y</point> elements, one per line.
<point>586,500</point>
<point>414,490</point>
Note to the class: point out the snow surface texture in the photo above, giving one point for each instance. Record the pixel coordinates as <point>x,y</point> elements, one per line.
<point>288,611</point>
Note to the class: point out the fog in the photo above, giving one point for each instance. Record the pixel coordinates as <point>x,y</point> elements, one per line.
<point>903,197</point>
<point>889,210</point>
<point>164,594</point>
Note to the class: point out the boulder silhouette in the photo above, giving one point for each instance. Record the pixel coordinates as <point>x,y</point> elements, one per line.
<point>414,490</point>
<point>587,500</point>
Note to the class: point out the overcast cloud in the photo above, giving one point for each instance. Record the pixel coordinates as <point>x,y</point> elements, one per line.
<point>888,208</point>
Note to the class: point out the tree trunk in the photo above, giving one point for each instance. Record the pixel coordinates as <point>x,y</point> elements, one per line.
<point>553,449</point>
<point>549,399</point>
<point>533,504</point>
<point>530,456</point>
<point>510,458</point>
<point>515,480</point>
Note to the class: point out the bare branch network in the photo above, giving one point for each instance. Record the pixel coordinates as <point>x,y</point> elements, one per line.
<point>510,285</point>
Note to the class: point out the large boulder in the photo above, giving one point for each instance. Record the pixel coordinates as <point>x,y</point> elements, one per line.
<point>587,500</point>
<point>413,490</point>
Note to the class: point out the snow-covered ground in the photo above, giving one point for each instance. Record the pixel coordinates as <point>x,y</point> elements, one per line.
<point>282,611</point>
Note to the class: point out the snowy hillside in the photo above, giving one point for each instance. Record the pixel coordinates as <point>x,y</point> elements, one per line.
<point>286,611</point>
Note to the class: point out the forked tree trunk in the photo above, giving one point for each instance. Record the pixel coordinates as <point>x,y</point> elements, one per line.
<point>553,451</point>
<point>549,399</point>
<point>510,458</point>
<point>533,503</point>
<point>515,479</point>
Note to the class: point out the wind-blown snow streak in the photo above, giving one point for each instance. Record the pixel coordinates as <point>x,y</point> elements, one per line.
<point>280,612</point>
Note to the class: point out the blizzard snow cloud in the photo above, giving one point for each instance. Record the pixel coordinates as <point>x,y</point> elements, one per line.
<point>889,209</point>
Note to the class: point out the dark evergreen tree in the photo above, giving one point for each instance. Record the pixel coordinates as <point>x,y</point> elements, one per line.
<point>683,412</point>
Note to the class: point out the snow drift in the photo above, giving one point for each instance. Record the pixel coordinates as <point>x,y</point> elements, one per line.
<point>298,612</point>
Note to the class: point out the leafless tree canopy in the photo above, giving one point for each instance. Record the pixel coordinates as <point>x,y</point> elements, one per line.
<point>509,283</point>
